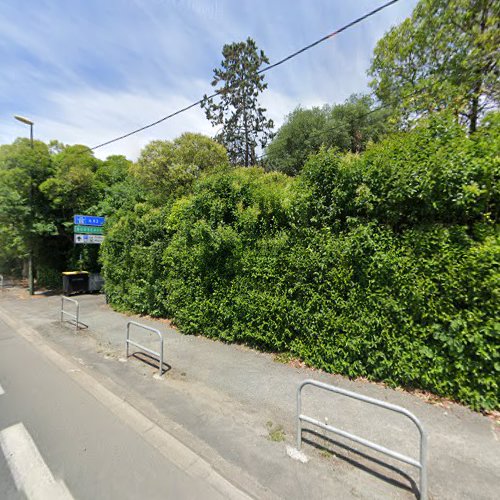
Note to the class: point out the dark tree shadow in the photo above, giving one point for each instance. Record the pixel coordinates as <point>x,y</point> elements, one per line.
<point>48,293</point>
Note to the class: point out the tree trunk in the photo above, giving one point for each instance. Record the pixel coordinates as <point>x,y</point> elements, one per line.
<point>474,112</point>
<point>245,124</point>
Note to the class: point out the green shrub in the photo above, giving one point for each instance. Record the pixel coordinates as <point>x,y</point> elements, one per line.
<point>384,265</point>
<point>433,174</point>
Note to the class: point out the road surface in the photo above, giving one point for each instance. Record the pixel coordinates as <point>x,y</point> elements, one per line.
<point>57,441</point>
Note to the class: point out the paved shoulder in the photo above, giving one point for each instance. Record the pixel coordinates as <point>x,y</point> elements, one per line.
<point>63,439</point>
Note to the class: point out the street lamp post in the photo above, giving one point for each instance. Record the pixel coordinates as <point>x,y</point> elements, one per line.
<point>31,281</point>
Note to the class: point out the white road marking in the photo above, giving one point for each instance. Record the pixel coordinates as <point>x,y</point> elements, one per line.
<point>169,446</point>
<point>1,390</point>
<point>30,472</point>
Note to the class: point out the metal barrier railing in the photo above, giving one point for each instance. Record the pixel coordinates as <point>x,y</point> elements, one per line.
<point>421,464</point>
<point>159,354</point>
<point>76,316</point>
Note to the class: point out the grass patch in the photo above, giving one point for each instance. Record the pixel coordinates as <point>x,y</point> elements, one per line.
<point>276,432</point>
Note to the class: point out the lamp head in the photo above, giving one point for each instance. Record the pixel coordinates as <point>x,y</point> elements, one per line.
<point>23,119</point>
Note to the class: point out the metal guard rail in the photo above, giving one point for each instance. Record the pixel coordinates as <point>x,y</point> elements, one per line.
<point>74,316</point>
<point>421,465</point>
<point>159,354</point>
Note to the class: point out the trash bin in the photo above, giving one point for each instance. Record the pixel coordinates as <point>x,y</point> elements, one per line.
<point>75,281</point>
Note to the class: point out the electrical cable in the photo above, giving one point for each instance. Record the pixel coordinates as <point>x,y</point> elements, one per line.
<point>263,70</point>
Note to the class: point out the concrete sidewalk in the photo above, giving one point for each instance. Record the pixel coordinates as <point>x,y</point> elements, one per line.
<point>237,409</point>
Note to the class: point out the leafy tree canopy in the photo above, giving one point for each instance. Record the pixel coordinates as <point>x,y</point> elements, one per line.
<point>72,187</point>
<point>444,56</point>
<point>348,127</point>
<point>23,207</point>
<point>168,168</point>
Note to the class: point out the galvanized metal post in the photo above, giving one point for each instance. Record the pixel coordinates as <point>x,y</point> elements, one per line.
<point>299,421</point>
<point>31,281</point>
<point>128,337</point>
<point>161,355</point>
<point>75,316</point>
<point>421,464</point>
<point>31,278</point>
<point>128,342</point>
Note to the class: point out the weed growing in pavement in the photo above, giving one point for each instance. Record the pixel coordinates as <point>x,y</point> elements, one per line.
<point>276,432</point>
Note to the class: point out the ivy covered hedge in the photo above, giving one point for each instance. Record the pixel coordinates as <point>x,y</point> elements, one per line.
<point>384,265</point>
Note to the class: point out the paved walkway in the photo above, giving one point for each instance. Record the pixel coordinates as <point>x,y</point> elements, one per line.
<point>237,409</point>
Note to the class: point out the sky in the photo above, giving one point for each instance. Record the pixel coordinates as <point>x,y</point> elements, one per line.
<point>86,71</point>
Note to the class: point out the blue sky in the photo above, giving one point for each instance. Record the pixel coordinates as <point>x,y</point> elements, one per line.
<point>86,71</point>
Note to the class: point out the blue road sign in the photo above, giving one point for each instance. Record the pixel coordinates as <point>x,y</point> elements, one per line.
<point>88,220</point>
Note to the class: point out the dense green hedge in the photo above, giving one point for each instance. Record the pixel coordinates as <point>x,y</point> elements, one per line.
<point>384,265</point>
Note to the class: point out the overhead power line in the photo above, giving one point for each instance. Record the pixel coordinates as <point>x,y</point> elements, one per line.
<point>263,70</point>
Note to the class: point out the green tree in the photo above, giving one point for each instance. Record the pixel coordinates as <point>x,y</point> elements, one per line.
<point>24,218</point>
<point>168,168</point>
<point>445,56</point>
<point>119,187</point>
<point>113,170</point>
<point>244,125</point>
<point>347,127</point>
<point>72,187</point>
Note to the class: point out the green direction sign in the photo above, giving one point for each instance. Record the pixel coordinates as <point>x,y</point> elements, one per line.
<point>87,229</point>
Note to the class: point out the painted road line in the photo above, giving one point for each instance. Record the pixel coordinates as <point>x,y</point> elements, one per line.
<point>30,472</point>
<point>1,390</point>
<point>169,446</point>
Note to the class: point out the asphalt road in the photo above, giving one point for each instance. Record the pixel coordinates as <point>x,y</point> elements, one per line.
<point>58,441</point>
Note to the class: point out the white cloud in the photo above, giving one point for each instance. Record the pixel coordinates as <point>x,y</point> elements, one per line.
<point>94,70</point>
<point>92,117</point>
<point>279,104</point>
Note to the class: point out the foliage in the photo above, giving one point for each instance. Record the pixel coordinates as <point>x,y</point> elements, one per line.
<point>49,277</point>
<point>244,125</point>
<point>445,56</point>
<point>168,168</point>
<point>200,226</point>
<point>40,191</point>
<point>384,265</point>
<point>72,185</point>
<point>23,208</point>
<point>434,174</point>
<point>348,127</point>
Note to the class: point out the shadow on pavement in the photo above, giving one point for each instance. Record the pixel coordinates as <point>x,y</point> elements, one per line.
<point>151,361</point>
<point>362,461</point>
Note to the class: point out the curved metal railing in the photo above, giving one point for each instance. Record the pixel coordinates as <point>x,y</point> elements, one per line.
<point>421,464</point>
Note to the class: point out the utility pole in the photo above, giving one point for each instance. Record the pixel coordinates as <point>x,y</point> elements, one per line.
<point>31,281</point>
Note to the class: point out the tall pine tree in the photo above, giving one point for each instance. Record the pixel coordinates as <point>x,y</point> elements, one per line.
<point>236,107</point>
